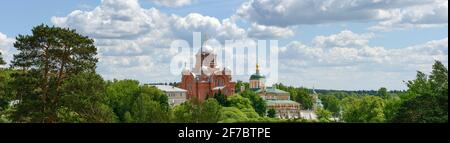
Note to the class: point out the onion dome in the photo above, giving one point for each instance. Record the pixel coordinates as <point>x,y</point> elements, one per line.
<point>257,75</point>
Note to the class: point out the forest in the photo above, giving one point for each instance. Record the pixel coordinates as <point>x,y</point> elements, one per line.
<point>53,79</point>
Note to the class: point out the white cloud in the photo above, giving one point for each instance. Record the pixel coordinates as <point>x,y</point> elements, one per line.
<point>262,31</point>
<point>6,48</point>
<point>114,19</point>
<point>345,38</point>
<point>133,41</point>
<point>173,3</point>
<point>130,36</point>
<point>388,13</point>
<point>346,62</point>
<point>434,14</point>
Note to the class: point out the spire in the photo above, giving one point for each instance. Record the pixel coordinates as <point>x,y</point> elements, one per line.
<point>257,61</point>
<point>314,90</point>
<point>257,67</point>
<point>206,37</point>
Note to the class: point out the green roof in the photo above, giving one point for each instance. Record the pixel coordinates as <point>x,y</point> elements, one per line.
<point>272,90</point>
<point>272,102</point>
<point>257,76</point>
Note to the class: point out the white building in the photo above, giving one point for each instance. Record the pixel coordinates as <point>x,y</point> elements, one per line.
<point>308,114</point>
<point>176,95</point>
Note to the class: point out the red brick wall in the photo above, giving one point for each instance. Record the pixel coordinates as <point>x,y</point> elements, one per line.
<point>201,90</point>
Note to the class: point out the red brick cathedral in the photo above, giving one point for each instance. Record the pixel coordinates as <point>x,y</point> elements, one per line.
<point>207,78</point>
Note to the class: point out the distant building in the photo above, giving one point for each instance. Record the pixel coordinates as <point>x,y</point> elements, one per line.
<point>271,93</point>
<point>308,114</point>
<point>317,102</point>
<point>277,99</point>
<point>285,109</point>
<point>207,78</point>
<point>176,95</point>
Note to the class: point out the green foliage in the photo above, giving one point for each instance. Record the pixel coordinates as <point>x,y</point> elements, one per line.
<point>258,103</point>
<point>332,104</point>
<point>5,89</point>
<point>300,95</point>
<point>48,57</point>
<point>391,108</point>
<point>53,79</point>
<point>156,95</point>
<point>239,102</point>
<point>240,83</point>
<point>2,62</point>
<point>365,109</point>
<point>232,115</point>
<point>383,93</point>
<point>134,103</point>
<point>422,109</point>
<point>146,110</point>
<point>271,113</point>
<point>323,115</point>
<point>426,100</point>
<point>241,109</point>
<point>84,95</point>
<point>121,95</point>
<point>221,98</point>
<point>192,112</point>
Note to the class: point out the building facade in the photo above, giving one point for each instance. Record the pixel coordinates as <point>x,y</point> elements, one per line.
<point>176,95</point>
<point>276,99</point>
<point>206,78</point>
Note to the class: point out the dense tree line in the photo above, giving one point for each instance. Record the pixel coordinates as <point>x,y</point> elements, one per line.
<point>299,94</point>
<point>425,101</point>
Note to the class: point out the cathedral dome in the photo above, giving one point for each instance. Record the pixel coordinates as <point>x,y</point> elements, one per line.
<point>186,71</point>
<point>205,70</point>
<point>208,49</point>
<point>257,76</point>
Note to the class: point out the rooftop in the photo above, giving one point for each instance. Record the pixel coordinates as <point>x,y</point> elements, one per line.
<point>272,90</point>
<point>168,88</point>
<point>272,102</point>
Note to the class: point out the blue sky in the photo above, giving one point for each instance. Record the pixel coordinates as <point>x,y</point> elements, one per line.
<point>376,33</point>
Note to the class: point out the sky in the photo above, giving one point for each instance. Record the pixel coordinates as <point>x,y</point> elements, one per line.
<point>326,44</point>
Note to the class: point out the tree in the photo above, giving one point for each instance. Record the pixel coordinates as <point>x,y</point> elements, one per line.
<point>426,100</point>
<point>2,62</point>
<point>439,79</point>
<point>332,104</point>
<point>365,109</point>
<point>121,95</point>
<point>156,95</point>
<point>239,84</point>
<point>300,95</point>
<point>258,103</point>
<point>84,95</point>
<point>232,115</point>
<point>303,97</point>
<point>239,102</point>
<point>210,111</point>
<point>6,96</point>
<point>146,110</point>
<point>383,93</point>
<point>271,113</point>
<point>221,98</point>
<point>195,112</point>
<point>50,56</point>
<point>323,115</point>
<point>391,108</point>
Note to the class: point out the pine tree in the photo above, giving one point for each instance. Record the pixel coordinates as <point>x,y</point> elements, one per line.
<point>48,57</point>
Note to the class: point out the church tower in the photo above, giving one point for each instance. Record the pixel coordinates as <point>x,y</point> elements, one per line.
<point>257,80</point>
